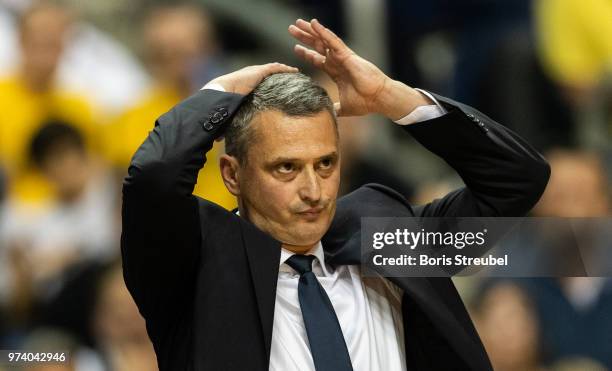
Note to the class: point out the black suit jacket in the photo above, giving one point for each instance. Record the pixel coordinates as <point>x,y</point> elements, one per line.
<point>205,279</point>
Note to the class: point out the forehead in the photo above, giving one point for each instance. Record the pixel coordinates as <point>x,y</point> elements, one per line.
<point>298,137</point>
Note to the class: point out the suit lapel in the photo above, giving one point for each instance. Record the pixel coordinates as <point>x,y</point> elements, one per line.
<point>263,255</point>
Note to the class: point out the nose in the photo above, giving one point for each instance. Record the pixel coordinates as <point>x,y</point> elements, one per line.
<point>310,188</point>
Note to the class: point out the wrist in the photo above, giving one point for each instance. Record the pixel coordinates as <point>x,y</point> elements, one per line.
<point>398,100</point>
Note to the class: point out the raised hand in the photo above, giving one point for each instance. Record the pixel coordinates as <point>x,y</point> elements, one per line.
<point>363,87</point>
<point>246,79</point>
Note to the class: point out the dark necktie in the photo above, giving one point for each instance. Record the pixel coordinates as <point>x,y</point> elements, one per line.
<point>327,344</point>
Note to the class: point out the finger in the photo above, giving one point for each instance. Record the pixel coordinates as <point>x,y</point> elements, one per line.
<point>338,109</point>
<point>276,67</point>
<point>331,40</point>
<point>306,27</point>
<point>310,56</point>
<point>308,39</point>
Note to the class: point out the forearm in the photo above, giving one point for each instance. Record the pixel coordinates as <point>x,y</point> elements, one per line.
<point>504,175</point>
<point>161,230</point>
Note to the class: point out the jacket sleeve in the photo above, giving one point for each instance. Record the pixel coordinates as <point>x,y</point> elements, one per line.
<point>503,174</point>
<point>161,233</point>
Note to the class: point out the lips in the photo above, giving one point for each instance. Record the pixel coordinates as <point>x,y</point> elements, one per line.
<point>313,210</point>
<point>311,213</point>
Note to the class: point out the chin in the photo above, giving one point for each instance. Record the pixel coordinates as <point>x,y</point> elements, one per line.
<point>303,245</point>
<point>310,234</point>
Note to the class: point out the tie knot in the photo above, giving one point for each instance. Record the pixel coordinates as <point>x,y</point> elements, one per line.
<point>301,263</point>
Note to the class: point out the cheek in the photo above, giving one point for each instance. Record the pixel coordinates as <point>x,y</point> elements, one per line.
<point>269,196</point>
<point>331,185</point>
<point>278,197</point>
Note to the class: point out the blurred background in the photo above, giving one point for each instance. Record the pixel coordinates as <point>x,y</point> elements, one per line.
<point>82,82</point>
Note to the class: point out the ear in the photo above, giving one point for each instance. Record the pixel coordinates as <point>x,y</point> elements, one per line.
<point>230,173</point>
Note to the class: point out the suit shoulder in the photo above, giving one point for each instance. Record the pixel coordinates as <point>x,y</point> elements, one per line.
<point>210,209</point>
<point>215,218</point>
<point>379,190</point>
<point>375,199</point>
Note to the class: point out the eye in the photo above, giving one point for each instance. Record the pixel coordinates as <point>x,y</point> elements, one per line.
<point>285,168</point>
<point>326,164</point>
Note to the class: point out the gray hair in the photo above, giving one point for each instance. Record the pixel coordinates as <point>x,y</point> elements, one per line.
<point>293,94</point>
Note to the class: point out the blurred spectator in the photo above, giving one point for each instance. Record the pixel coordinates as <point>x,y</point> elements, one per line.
<point>82,216</point>
<point>30,97</point>
<point>180,50</point>
<point>557,322</point>
<point>578,186</point>
<point>574,311</point>
<point>109,334</point>
<point>577,189</point>
<point>506,322</point>
<point>118,77</point>
<point>119,328</point>
<point>574,315</point>
<point>78,226</point>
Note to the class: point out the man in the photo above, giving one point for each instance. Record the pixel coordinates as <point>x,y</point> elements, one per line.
<point>277,286</point>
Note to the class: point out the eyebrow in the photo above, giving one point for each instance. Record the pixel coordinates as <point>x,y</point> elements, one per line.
<point>293,159</point>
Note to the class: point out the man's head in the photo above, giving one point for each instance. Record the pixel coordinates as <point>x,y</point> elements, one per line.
<point>42,31</point>
<point>177,38</point>
<point>578,186</point>
<point>58,150</point>
<point>282,159</point>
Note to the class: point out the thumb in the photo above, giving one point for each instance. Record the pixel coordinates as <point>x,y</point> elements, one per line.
<point>338,109</point>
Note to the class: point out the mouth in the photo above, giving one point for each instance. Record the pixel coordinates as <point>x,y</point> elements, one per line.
<point>312,213</point>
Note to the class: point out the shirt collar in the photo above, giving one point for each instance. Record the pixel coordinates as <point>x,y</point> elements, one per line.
<point>318,266</point>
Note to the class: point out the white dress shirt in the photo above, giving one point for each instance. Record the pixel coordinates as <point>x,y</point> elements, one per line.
<point>368,308</point>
